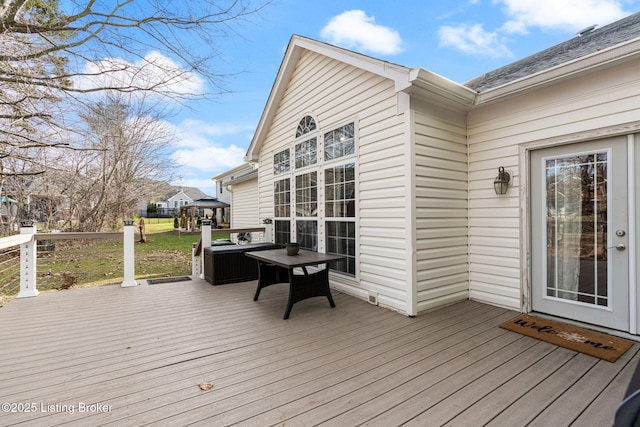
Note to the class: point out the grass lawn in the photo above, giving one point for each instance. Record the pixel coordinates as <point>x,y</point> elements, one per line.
<point>82,263</point>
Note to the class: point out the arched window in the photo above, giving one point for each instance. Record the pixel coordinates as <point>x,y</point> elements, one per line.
<point>306,125</point>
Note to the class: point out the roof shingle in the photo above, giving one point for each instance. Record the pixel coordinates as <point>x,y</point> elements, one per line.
<point>602,38</point>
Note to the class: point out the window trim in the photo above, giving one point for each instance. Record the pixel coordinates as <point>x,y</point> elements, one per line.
<point>294,192</point>
<point>275,205</point>
<point>277,172</point>
<point>333,129</point>
<point>301,141</point>
<point>315,124</point>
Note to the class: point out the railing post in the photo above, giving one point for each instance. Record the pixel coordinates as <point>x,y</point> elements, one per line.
<point>129,255</point>
<point>28,256</point>
<point>206,243</point>
<point>268,227</point>
<point>195,261</point>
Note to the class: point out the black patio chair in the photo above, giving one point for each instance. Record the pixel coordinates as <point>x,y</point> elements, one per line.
<point>628,412</point>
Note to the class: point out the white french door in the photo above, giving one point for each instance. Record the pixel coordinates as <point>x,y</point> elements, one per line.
<point>579,232</point>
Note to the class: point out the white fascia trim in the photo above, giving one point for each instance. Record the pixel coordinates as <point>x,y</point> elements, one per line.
<point>247,177</point>
<point>248,167</point>
<point>441,86</point>
<point>560,72</point>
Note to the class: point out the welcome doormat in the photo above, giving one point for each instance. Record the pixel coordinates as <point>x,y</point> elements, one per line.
<point>168,280</point>
<point>577,339</point>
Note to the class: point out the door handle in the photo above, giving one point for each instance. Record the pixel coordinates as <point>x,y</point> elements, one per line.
<point>619,246</point>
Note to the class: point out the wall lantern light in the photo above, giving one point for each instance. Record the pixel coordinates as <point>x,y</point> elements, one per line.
<point>501,183</point>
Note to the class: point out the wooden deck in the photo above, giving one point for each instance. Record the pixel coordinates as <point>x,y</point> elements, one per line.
<point>140,353</point>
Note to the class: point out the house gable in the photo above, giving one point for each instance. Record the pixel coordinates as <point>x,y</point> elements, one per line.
<point>297,45</point>
<point>338,94</point>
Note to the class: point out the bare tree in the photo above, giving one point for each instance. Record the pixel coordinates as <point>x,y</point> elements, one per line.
<point>53,53</point>
<point>123,151</point>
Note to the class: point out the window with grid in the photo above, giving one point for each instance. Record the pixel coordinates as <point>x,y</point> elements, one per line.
<point>282,232</point>
<point>282,198</point>
<point>306,125</point>
<point>307,234</point>
<point>306,153</point>
<point>307,194</point>
<point>339,142</point>
<point>281,162</point>
<point>341,240</point>
<point>339,190</point>
<point>340,204</point>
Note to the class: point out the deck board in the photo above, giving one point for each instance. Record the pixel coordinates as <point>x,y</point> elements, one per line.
<point>144,350</point>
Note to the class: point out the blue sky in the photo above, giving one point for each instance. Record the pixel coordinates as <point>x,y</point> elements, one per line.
<point>457,39</point>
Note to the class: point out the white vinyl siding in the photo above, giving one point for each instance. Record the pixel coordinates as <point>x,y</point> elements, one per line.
<point>337,94</point>
<point>441,211</point>
<point>599,104</point>
<point>243,207</point>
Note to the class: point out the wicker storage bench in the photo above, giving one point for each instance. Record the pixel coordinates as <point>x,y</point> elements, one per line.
<point>228,264</point>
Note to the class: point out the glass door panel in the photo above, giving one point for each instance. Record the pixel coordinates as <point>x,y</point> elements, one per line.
<point>576,223</point>
<point>579,214</point>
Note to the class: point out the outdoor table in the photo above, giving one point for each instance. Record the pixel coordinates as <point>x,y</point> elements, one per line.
<point>273,264</point>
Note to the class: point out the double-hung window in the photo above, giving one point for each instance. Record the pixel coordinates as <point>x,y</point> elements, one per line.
<point>281,162</point>
<point>306,153</point>
<point>340,207</point>
<point>282,197</point>
<point>282,210</point>
<point>307,210</point>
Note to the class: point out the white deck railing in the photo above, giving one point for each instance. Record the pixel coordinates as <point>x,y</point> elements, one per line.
<point>27,241</point>
<point>197,253</point>
<point>28,237</point>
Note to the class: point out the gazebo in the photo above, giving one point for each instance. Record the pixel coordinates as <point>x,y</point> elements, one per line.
<point>189,211</point>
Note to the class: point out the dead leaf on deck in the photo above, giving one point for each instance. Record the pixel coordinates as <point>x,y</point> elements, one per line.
<point>205,386</point>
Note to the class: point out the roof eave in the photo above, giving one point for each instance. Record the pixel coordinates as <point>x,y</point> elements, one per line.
<point>427,84</point>
<point>246,177</point>
<point>597,60</point>
<point>238,169</point>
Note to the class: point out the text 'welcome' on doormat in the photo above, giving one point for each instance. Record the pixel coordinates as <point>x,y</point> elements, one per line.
<point>577,339</point>
<point>168,280</point>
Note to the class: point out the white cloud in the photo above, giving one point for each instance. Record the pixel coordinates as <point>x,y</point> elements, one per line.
<point>353,29</point>
<point>210,159</point>
<point>214,129</point>
<point>205,185</point>
<point>473,39</point>
<point>153,71</point>
<point>569,15</point>
<point>203,149</point>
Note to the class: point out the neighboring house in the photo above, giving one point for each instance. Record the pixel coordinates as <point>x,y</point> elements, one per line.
<point>185,196</point>
<point>394,168</point>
